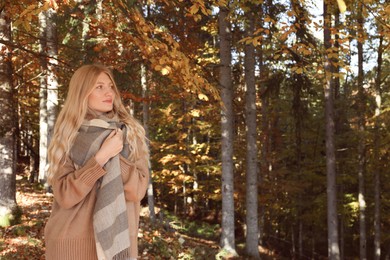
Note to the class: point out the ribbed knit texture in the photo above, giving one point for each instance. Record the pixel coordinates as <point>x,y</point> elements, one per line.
<point>83,249</point>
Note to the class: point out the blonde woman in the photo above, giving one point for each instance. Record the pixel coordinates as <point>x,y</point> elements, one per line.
<point>98,170</point>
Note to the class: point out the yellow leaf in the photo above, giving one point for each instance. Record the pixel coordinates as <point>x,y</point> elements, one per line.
<point>202,96</point>
<point>165,71</point>
<point>246,40</point>
<point>387,10</point>
<point>197,17</point>
<point>162,61</point>
<point>26,25</point>
<point>29,9</point>
<point>194,9</point>
<point>150,49</point>
<point>267,19</point>
<point>342,6</point>
<point>195,113</point>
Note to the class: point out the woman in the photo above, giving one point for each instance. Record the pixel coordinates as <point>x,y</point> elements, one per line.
<point>98,170</point>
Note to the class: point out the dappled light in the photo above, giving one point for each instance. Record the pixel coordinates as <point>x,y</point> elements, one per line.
<point>267,124</point>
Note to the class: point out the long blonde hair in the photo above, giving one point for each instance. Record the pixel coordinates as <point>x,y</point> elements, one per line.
<point>74,111</point>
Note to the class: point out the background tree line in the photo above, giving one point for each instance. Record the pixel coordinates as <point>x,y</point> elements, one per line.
<point>266,118</point>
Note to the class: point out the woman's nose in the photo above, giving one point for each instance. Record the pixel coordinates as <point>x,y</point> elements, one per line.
<point>110,92</point>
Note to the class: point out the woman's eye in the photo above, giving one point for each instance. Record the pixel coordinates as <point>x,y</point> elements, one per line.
<point>99,86</point>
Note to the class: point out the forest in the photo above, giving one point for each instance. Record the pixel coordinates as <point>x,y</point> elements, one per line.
<point>267,121</point>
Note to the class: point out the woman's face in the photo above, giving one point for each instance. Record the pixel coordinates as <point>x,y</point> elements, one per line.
<point>101,99</point>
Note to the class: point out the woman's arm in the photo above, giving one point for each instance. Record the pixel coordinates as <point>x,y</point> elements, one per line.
<point>71,185</point>
<point>135,177</point>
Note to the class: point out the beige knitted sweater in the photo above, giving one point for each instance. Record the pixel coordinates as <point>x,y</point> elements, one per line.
<point>69,231</point>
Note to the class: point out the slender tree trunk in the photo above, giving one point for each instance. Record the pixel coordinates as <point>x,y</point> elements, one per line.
<point>87,8</point>
<point>145,115</point>
<point>228,225</point>
<point>333,243</point>
<point>377,186</point>
<point>252,218</point>
<point>100,35</point>
<point>43,145</point>
<point>8,125</point>
<point>264,165</point>
<point>338,118</point>
<point>361,145</point>
<point>298,83</point>
<point>297,107</point>
<point>342,232</point>
<point>99,13</point>
<point>49,84</point>
<point>264,132</point>
<point>52,81</point>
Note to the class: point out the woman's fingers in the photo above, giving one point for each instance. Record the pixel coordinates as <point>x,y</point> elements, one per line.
<point>119,133</point>
<point>113,132</point>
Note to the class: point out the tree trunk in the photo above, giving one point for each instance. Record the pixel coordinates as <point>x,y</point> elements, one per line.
<point>87,8</point>
<point>333,243</point>
<point>8,126</point>
<point>338,124</point>
<point>264,133</point>
<point>225,79</point>
<point>52,81</point>
<point>361,145</point>
<point>145,111</point>
<point>49,85</point>
<point>43,145</point>
<point>252,218</point>
<point>92,10</point>
<point>377,186</point>
<point>297,106</point>
<point>145,115</point>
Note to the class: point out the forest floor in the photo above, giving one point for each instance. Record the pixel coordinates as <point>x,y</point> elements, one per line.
<point>24,241</point>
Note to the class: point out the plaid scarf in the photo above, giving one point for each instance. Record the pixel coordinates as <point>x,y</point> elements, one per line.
<point>110,219</point>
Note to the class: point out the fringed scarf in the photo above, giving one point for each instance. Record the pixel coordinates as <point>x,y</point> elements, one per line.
<point>110,220</point>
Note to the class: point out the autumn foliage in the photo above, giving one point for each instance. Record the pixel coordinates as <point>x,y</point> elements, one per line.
<point>166,61</point>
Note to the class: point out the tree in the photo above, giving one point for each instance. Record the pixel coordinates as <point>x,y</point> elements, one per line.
<point>252,218</point>
<point>43,126</point>
<point>264,133</point>
<point>52,80</point>
<point>8,125</point>
<point>145,117</point>
<point>362,140</point>
<point>331,190</point>
<point>377,186</point>
<point>49,84</point>
<point>225,80</point>
<point>92,11</point>
<point>299,84</point>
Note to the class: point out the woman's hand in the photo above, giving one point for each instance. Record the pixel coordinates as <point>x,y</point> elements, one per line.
<point>112,146</point>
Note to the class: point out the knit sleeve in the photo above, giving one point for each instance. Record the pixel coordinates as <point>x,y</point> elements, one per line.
<point>71,185</point>
<point>135,177</point>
